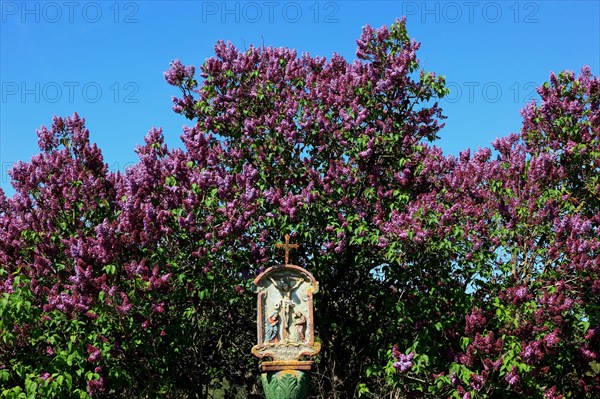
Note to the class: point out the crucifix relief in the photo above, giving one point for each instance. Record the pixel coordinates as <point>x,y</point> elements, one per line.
<point>285,321</point>
<point>287,305</point>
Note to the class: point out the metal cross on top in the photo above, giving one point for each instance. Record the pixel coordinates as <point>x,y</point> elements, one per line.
<point>287,247</point>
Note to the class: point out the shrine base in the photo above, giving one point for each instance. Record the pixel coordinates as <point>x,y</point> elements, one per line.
<point>280,382</point>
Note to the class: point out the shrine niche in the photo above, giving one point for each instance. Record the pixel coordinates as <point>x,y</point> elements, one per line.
<point>285,320</point>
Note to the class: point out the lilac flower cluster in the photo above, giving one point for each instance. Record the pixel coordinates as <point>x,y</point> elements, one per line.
<point>403,362</point>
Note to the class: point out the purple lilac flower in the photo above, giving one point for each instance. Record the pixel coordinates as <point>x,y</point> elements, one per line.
<point>512,378</point>
<point>94,353</point>
<point>95,386</point>
<point>552,339</point>
<point>477,382</point>
<point>404,362</point>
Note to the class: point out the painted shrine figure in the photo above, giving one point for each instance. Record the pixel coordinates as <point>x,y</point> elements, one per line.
<point>300,323</point>
<point>272,330</point>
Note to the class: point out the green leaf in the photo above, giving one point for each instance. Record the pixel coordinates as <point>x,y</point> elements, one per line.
<point>109,269</point>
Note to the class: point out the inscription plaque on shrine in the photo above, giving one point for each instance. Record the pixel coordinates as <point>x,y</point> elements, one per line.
<point>285,320</point>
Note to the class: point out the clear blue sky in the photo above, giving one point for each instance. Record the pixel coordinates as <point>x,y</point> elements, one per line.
<point>105,59</point>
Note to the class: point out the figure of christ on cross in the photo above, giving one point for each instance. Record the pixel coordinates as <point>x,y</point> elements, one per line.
<point>287,305</point>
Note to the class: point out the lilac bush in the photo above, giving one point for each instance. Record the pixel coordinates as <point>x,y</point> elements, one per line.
<point>523,229</point>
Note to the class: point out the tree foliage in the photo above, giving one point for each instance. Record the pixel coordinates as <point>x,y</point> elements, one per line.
<point>469,277</point>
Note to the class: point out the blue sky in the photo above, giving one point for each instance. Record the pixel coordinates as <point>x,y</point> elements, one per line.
<point>105,59</point>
